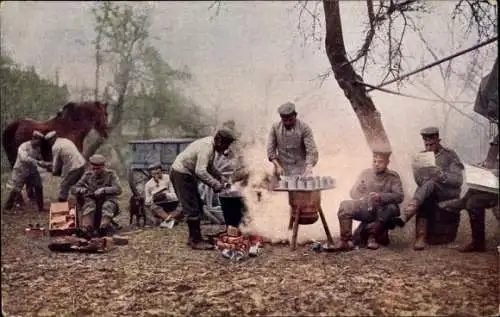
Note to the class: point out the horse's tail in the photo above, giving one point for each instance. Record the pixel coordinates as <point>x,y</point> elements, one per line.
<point>8,142</point>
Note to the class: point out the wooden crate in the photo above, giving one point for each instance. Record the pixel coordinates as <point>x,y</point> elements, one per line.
<point>62,219</point>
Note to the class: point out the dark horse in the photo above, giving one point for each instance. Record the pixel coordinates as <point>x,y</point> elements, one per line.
<point>74,121</point>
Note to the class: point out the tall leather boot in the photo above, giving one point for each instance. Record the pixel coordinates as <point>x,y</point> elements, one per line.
<point>195,240</point>
<point>372,238</point>
<point>11,200</point>
<point>478,243</point>
<point>410,210</point>
<point>420,234</point>
<point>345,243</point>
<point>39,198</point>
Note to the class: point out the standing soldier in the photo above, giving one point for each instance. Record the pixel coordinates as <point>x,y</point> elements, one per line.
<point>291,147</point>
<point>443,183</point>
<point>25,167</point>
<point>195,164</point>
<point>99,188</point>
<point>67,162</point>
<point>376,196</point>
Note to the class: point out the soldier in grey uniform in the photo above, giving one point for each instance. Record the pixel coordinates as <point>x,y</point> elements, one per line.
<point>67,162</point>
<point>476,202</point>
<point>443,183</point>
<point>376,196</point>
<point>291,147</point>
<point>196,163</point>
<point>99,188</point>
<point>25,167</point>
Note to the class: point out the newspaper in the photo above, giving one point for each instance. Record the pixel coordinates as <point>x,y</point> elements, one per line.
<point>480,179</point>
<point>423,160</point>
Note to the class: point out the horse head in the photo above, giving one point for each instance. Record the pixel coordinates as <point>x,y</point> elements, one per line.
<point>87,115</point>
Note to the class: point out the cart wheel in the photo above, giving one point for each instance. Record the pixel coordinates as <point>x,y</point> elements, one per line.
<point>136,180</point>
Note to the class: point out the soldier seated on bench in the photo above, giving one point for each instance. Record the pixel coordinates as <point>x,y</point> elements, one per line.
<point>160,198</point>
<point>99,188</point>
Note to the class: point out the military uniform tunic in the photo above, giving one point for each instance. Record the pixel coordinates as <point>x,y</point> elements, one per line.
<point>92,181</point>
<point>450,187</point>
<point>387,185</point>
<point>295,149</point>
<point>25,165</point>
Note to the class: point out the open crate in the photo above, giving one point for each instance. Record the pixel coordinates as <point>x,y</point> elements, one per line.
<point>62,219</point>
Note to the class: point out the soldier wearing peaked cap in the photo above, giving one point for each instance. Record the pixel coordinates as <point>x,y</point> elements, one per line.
<point>291,147</point>
<point>98,188</point>
<point>67,162</point>
<point>375,199</point>
<point>194,164</point>
<point>25,169</point>
<point>444,182</point>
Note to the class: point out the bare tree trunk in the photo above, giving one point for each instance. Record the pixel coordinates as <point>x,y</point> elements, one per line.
<point>97,64</point>
<point>368,116</point>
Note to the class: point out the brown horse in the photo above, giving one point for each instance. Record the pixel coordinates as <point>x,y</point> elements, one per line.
<point>74,121</point>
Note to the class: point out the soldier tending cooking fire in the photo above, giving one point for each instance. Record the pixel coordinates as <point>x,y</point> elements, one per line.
<point>291,147</point>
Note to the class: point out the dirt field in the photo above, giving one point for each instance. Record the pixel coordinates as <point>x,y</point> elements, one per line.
<point>157,275</point>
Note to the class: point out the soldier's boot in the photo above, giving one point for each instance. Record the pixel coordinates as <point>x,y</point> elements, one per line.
<point>106,227</point>
<point>452,205</point>
<point>195,240</point>
<point>478,243</point>
<point>11,200</point>
<point>345,242</point>
<point>87,226</point>
<point>372,238</point>
<point>420,234</point>
<point>410,210</point>
<point>39,198</point>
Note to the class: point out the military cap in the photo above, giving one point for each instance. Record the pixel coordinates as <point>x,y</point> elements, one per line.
<point>225,134</point>
<point>429,131</point>
<point>154,166</point>
<point>287,109</point>
<point>97,159</point>
<point>50,135</point>
<point>37,135</point>
<point>384,151</point>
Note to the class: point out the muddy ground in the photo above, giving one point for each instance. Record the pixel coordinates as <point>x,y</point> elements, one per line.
<point>157,275</point>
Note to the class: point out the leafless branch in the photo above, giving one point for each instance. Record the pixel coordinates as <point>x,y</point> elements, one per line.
<point>217,5</point>
<point>313,31</point>
<point>480,14</point>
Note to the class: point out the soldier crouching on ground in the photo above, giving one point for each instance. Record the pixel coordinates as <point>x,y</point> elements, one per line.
<point>159,196</point>
<point>443,183</point>
<point>376,196</point>
<point>25,167</point>
<point>99,188</point>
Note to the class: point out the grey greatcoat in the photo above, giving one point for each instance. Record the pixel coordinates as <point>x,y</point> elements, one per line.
<point>295,149</point>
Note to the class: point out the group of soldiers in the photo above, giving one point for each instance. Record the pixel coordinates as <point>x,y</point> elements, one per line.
<point>375,197</point>
<point>96,188</point>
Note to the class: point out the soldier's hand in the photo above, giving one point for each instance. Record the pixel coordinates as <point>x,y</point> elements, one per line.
<point>217,188</point>
<point>279,170</point>
<point>374,196</point>
<point>99,192</point>
<point>81,191</point>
